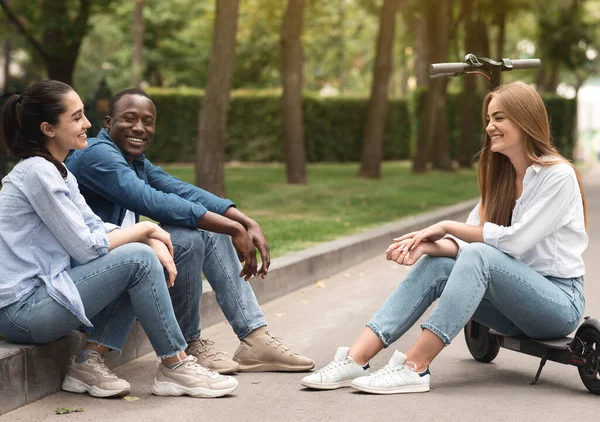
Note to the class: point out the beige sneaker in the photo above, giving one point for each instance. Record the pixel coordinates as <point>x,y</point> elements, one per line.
<point>191,379</point>
<point>211,358</point>
<point>93,376</point>
<point>262,352</point>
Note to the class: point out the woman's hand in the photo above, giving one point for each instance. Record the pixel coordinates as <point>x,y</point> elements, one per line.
<point>158,233</point>
<point>165,257</point>
<point>431,234</point>
<point>399,252</point>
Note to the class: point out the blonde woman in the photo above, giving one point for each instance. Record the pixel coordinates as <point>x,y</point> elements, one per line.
<point>525,240</point>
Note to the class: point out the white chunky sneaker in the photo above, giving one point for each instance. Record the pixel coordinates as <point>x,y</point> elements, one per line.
<point>339,373</point>
<point>191,379</point>
<point>395,377</point>
<point>92,376</point>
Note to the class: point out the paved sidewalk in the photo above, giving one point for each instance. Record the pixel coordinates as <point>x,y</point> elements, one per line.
<point>315,320</point>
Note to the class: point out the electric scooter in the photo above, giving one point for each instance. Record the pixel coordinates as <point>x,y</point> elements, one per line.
<point>582,350</point>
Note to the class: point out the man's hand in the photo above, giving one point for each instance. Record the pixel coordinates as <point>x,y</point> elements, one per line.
<point>246,252</point>
<point>165,257</point>
<point>260,242</point>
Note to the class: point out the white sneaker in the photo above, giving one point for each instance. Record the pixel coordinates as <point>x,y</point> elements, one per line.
<point>339,373</point>
<point>393,378</point>
<point>192,379</point>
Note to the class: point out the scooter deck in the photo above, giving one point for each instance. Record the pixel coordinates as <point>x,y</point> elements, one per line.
<point>557,344</point>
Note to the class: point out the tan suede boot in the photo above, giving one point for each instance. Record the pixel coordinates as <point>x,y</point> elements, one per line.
<point>211,358</point>
<point>262,352</point>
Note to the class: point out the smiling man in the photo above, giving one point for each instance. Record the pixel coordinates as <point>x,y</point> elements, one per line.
<point>208,235</point>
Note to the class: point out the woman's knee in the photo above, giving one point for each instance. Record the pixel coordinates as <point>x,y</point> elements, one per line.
<point>439,265</point>
<point>140,254</point>
<point>478,252</point>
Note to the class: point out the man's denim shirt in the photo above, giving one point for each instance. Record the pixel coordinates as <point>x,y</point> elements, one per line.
<point>111,186</point>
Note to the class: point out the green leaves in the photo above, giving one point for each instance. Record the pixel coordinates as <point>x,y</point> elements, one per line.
<point>67,410</point>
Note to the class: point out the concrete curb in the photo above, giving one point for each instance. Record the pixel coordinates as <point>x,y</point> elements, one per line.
<point>29,373</point>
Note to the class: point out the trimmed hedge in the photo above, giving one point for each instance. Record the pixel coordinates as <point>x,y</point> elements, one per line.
<point>334,127</point>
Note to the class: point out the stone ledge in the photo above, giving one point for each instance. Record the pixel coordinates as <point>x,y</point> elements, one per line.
<point>31,372</point>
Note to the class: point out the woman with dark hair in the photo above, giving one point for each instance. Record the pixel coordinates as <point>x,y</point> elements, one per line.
<point>525,240</point>
<point>63,267</point>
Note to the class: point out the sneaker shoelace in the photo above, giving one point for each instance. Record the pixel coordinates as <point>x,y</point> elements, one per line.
<point>390,369</point>
<point>277,342</point>
<point>97,362</point>
<point>330,366</point>
<point>192,363</point>
<point>204,346</point>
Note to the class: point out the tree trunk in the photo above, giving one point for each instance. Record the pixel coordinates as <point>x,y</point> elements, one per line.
<point>61,44</point>
<point>467,126</point>
<point>61,68</point>
<point>138,43</point>
<point>430,134</point>
<point>378,103</point>
<point>482,40</point>
<point>3,152</point>
<point>501,22</point>
<point>210,151</point>
<point>6,65</point>
<point>292,58</point>
<point>441,147</point>
<point>341,47</point>
<point>551,83</point>
<point>441,157</point>
<point>422,53</point>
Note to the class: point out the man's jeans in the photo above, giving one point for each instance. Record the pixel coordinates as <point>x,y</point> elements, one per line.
<point>125,284</point>
<point>486,285</point>
<point>198,251</point>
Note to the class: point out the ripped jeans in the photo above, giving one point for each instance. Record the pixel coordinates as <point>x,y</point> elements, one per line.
<point>486,285</point>
<point>126,284</point>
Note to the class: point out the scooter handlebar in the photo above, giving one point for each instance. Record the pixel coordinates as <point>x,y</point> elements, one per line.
<point>454,69</point>
<point>444,68</point>
<point>526,63</point>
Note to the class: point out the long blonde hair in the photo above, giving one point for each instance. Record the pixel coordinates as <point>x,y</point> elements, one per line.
<point>496,176</point>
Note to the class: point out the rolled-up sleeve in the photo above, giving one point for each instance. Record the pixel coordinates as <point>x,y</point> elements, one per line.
<point>549,209</point>
<point>53,200</point>
<point>164,182</point>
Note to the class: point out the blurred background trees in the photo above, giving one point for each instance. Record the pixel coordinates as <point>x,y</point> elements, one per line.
<point>331,49</point>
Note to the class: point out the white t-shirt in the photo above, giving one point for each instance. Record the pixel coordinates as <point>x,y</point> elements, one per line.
<point>128,220</point>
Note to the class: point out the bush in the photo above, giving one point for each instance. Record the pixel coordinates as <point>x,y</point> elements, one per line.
<point>334,126</point>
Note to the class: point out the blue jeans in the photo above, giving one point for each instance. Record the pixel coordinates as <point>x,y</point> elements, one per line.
<point>125,284</point>
<point>198,251</point>
<point>486,285</point>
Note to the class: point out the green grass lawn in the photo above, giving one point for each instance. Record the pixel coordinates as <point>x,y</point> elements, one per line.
<point>334,203</point>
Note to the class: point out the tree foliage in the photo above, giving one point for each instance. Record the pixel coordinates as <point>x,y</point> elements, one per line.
<point>53,30</point>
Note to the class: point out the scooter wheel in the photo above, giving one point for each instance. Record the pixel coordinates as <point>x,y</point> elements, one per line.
<point>484,347</point>
<point>590,373</point>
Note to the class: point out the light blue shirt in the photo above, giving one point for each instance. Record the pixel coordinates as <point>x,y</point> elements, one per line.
<point>44,222</point>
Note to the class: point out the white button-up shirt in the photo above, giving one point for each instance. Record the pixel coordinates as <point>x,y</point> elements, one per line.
<point>547,230</point>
